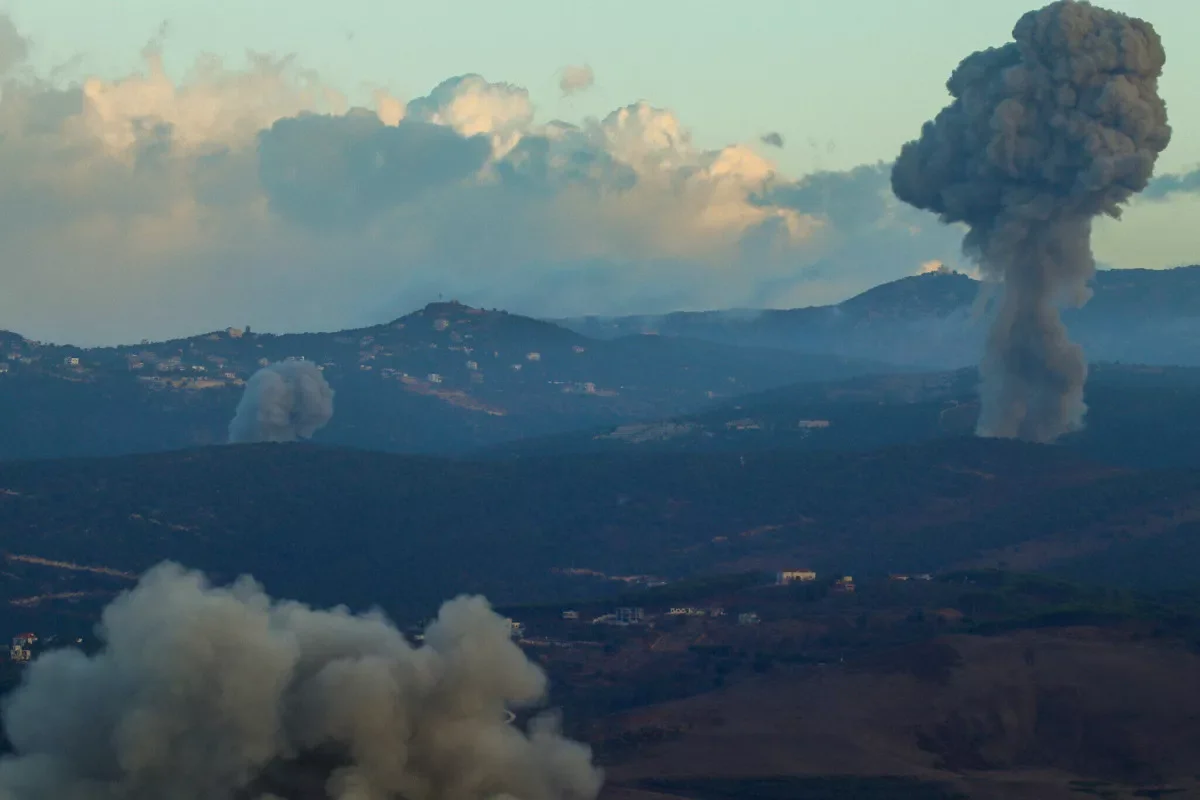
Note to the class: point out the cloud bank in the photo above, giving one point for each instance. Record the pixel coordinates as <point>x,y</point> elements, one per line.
<point>203,692</point>
<point>148,206</point>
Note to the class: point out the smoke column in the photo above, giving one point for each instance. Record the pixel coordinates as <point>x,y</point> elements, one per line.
<point>205,693</point>
<point>1043,134</point>
<point>283,402</point>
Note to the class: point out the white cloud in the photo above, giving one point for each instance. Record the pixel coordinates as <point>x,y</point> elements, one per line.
<point>146,206</point>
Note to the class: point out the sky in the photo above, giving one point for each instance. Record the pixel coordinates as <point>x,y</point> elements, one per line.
<point>148,192</point>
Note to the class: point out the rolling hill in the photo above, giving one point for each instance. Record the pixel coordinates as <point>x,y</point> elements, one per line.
<point>343,526</point>
<point>441,380</point>
<point>938,320</point>
<point>1049,714</point>
<point>1138,416</point>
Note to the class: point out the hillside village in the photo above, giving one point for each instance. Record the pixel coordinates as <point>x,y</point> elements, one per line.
<point>591,624</point>
<point>445,336</point>
<point>445,350</point>
<point>444,379</point>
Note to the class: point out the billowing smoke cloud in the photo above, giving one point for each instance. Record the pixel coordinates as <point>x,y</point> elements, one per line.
<point>171,190</point>
<point>576,78</point>
<point>209,693</point>
<point>1044,134</point>
<point>772,139</point>
<point>1165,186</point>
<point>13,47</point>
<point>283,402</point>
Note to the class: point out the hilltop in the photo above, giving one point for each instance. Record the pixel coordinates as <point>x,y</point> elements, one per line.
<point>444,379</point>
<point>938,319</point>
<point>451,379</point>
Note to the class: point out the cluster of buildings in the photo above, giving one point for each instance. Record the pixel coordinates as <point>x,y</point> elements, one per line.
<point>843,585</point>
<point>25,646</point>
<point>21,649</point>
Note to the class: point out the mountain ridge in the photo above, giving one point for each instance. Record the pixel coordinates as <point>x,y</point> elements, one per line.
<point>938,319</point>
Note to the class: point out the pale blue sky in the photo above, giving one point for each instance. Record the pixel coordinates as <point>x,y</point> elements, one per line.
<point>106,240</point>
<point>845,81</point>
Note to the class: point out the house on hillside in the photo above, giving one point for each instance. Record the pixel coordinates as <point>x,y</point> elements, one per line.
<point>794,576</point>
<point>844,585</point>
<point>19,652</point>
<point>630,616</point>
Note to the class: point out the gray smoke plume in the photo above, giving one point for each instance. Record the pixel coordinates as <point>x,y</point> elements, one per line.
<point>283,402</point>
<point>206,693</point>
<point>576,78</point>
<point>772,139</point>
<point>1043,134</point>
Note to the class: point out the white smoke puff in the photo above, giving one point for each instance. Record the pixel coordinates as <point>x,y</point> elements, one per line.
<point>283,402</point>
<point>205,693</point>
<point>576,78</point>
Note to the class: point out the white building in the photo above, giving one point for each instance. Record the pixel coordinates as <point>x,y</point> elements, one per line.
<point>794,576</point>
<point>630,616</point>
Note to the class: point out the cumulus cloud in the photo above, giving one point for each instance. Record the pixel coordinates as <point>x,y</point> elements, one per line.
<point>283,402</point>
<point>576,78</point>
<point>204,692</point>
<point>149,206</point>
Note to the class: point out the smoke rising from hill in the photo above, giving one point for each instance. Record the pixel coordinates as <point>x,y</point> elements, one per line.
<point>200,690</point>
<point>1045,133</point>
<point>283,402</point>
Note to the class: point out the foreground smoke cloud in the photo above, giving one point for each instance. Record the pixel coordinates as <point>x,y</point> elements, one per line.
<point>203,693</point>
<point>1044,134</point>
<point>283,402</point>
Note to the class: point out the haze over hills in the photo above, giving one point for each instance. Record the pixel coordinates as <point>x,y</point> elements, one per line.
<point>444,379</point>
<point>939,319</point>
<point>450,378</point>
